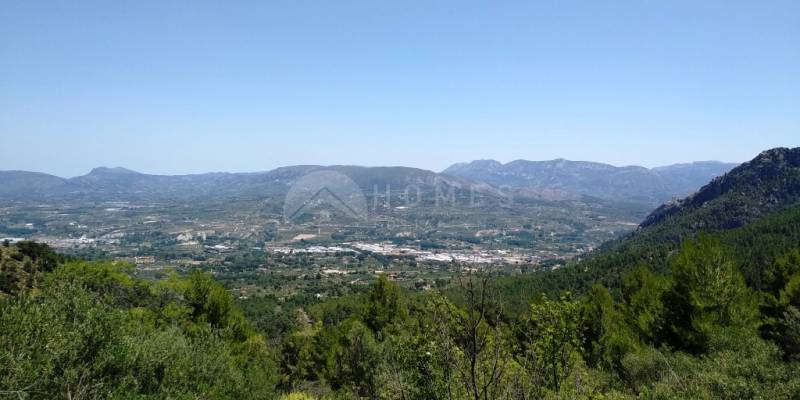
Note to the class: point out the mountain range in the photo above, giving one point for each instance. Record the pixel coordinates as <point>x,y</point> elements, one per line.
<point>629,183</point>
<point>557,178</point>
<point>120,182</point>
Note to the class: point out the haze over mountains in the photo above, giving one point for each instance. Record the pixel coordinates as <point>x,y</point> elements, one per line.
<point>120,182</point>
<point>564,177</point>
<point>630,183</point>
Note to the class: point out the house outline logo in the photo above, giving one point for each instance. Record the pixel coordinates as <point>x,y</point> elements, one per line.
<point>325,187</point>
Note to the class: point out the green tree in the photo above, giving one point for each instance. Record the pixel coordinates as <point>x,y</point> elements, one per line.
<point>606,337</point>
<point>778,275</point>
<point>356,360</point>
<point>597,317</point>
<point>782,319</point>
<point>708,293</point>
<point>479,337</point>
<point>385,305</point>
<point>553,340</point>
<point>643,307</point>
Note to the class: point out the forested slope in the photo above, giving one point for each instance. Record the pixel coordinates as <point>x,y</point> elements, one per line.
<point>753,208</point>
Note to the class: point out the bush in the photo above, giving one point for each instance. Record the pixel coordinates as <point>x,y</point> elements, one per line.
<point>84,335</point>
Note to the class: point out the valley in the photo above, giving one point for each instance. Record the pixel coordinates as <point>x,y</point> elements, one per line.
<point>421,226</point>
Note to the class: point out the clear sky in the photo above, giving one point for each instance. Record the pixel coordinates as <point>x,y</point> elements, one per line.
<point>191,86</point>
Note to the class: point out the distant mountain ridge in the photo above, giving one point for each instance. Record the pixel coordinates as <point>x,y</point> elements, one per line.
<point>630,183</point>
<point>121,182</point>
<point>556,179</point>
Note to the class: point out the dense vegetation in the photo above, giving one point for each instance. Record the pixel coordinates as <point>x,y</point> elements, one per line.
<point>77,329</point>
<point>86,330</point>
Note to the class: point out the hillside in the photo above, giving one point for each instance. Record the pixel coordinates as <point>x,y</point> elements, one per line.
<point>755,208</point>
<point>630,183</point>
<point>768,183</point>
<point>12,183</point>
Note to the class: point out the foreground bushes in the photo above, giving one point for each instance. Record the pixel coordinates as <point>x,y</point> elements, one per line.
<point>91,331</point>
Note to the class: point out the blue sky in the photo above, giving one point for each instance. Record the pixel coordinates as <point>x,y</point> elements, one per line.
<point>184,87</point>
